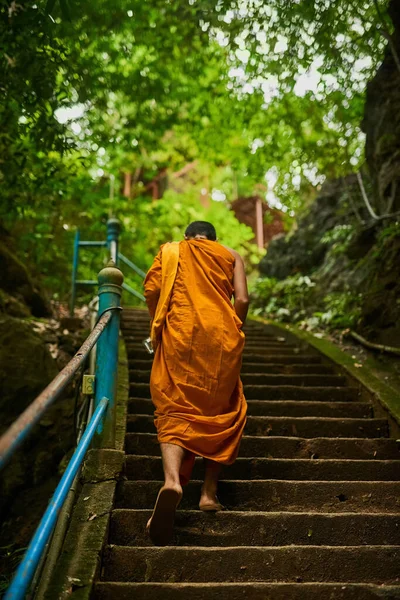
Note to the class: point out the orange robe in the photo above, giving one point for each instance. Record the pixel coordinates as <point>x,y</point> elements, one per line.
<point>195,380</point>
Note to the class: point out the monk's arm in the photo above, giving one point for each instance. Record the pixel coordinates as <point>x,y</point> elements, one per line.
<point>152,285</point>
<point>240,293</point>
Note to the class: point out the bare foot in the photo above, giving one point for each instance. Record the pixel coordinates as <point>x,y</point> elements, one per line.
<point>209,501</point>
<point>160,526</point>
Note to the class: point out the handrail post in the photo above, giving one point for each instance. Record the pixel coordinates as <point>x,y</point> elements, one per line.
<point>113,231</point>
<point>110,290</point>
<point>74,272</point>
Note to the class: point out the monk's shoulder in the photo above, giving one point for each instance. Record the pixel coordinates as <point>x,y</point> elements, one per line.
<point>233,253</point>
<point>167,245</point>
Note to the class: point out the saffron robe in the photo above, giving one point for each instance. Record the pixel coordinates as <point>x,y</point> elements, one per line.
<point>195,379</point>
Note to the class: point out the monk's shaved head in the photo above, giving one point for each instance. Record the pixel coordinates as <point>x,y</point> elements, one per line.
<point>203,228</point>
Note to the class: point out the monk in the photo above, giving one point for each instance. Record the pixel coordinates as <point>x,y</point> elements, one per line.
<point>200,408</point>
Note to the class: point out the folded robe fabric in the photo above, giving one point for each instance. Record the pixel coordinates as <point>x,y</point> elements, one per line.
<point>195,380</point>
<point>169,267</point>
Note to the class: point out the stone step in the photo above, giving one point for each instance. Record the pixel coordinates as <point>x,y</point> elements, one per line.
<point>276,392</point>
<point>134,328</point>
<point>310,427</point>
<point>364,564</point>
<point>138,352</point>
<point>307,427</point>
<point>270,379</point>
<point>302,358</point>
<point>133,348</point>
<point>138,317</point>
<point>132,336</point>
<point>287,447</point>
<point>239,591</point>
<point>298,392</point>
<point>276,495</point>
<point>309,380</point>
<point>288,369</point>
<point>142,366</point>
<point>265,351</point>
<point>134,324</point>
<point>150,467</point>
<point>194,528</point>
<point>287,408</point>
<point>263,342</point>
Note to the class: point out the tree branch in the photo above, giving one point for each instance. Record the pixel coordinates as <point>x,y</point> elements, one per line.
<point>380,347</point>
<point>365,197</point>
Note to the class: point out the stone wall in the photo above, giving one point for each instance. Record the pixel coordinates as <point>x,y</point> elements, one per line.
<point>381,123</point>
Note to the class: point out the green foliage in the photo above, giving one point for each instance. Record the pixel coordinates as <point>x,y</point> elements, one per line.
<point>170,217</point>
<point>386,236</point>
<point>297,299</point>
<point>284,300</point>
<point>163,85</point>
<point>338,238</point>
<point>341,310</point>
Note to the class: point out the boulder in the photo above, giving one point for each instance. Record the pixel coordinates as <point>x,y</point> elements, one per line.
<point>26,366</point>
<point>16,281</point>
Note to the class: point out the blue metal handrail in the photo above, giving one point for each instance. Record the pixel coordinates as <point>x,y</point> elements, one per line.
<point>19,430</point>
<point>105,334</point>
<point>132,265</point>
<point>133,292</point>
<point>37,546</point>
<point>112,243</point>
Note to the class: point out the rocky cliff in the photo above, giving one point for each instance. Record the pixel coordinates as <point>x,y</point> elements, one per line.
<point>381,122</point>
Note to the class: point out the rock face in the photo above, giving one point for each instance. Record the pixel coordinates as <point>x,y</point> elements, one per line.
<point>364,263</point>
<point>26,367</point>
<point>382,123</point>
<point>18,288</point>
<point>304,250</point>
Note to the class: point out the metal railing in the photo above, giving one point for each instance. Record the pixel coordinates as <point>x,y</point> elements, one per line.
<point>100,429</point>
<point>112,243</point>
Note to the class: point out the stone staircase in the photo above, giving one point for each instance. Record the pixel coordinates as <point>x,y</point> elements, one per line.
<point>313,502</point>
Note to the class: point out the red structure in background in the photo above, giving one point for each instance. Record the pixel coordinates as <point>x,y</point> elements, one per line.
<point>266,222</point>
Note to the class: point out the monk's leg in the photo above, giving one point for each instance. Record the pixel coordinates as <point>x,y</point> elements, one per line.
<point>208,498</point>
<point>161,524</point>
<point>172,458</point>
